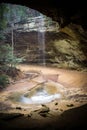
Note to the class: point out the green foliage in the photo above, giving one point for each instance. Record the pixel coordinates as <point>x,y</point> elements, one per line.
<point>2,37</point>
<point>3,20</point>
<point>6,57</point>
<point>13,60</point>
<point>3,24</point>
<point>4,80</point>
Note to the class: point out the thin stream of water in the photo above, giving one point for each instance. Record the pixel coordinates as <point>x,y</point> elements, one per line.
<point>41,41</point>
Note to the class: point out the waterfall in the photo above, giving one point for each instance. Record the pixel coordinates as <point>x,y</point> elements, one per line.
<point>41,40</point>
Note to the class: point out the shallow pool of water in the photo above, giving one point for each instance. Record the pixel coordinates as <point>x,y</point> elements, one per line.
<point>40,98</point>
<point>42,93</point>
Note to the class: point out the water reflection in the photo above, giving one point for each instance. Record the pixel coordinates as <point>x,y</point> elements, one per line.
<point>37,99</point>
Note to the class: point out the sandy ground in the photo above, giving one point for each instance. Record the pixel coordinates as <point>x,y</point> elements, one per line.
<point>68,112</point>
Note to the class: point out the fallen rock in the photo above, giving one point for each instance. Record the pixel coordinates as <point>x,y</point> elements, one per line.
<point>18,108</point>
<point>44,109</point>
<point>70,105</point>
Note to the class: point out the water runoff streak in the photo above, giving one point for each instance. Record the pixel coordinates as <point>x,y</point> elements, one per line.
<point>41,40</point>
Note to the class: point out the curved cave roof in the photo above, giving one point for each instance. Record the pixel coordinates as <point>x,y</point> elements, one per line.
<point>62,11</point>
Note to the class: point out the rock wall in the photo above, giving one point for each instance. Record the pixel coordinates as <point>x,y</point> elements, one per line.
<point>65,48</point>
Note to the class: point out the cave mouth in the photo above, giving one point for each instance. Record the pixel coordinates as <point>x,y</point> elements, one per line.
<point>42,93</point>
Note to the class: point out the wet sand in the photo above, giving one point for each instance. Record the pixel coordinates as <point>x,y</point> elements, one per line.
<point>69,112</point>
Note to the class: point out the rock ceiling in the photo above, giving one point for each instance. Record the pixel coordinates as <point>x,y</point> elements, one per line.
<point>64,12</point>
